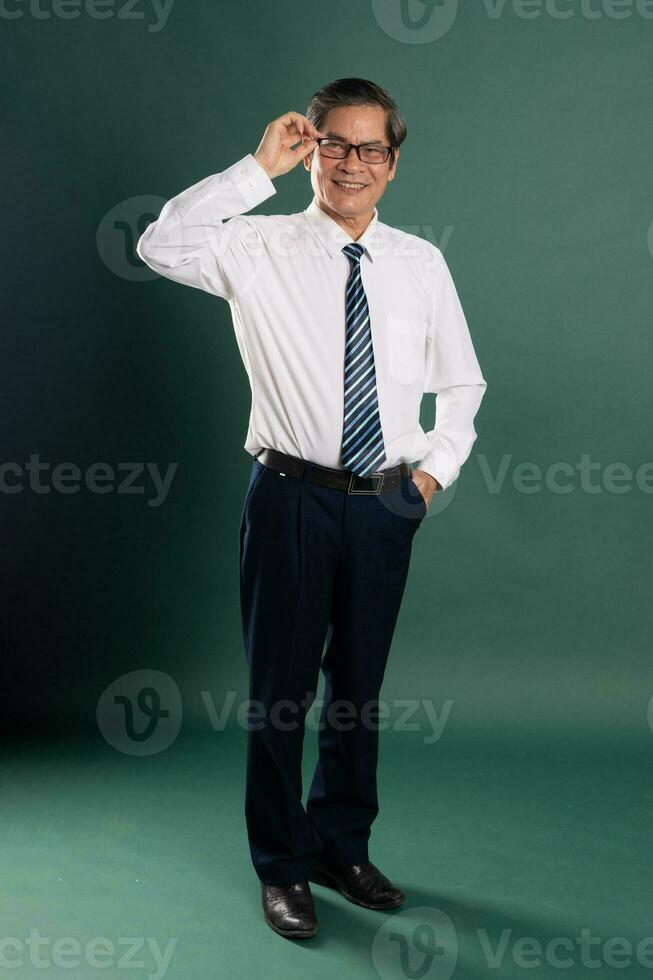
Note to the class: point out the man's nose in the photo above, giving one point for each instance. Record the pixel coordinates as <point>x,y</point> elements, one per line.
<point>352,158</point>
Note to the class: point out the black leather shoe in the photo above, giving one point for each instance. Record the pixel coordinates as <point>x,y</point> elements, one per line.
<point>289,909</point>
<point>363,884</point>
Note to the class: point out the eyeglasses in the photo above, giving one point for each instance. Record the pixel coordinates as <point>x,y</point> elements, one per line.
<point>367,152</point>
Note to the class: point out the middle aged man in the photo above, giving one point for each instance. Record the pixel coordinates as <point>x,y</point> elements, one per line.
<point>342,322</point>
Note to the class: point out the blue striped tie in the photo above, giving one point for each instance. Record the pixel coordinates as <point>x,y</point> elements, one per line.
<point>362,438</point>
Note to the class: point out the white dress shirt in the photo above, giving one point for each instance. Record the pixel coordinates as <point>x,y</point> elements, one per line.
<point>284,277</point>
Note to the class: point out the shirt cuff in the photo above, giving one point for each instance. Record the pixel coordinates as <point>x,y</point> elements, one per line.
<point>439,464</point>
<point>250,180</point>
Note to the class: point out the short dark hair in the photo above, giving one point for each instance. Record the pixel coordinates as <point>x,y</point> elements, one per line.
<point>358,91</point>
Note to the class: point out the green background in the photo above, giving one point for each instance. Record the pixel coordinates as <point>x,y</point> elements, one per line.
<point>529,158</point>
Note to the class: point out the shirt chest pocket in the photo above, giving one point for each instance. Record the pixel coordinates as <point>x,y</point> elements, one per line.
<point>406,349</point>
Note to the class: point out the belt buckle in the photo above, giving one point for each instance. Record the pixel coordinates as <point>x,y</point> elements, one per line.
<point>354,476</point>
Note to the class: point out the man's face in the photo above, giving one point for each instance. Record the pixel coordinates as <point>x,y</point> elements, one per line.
<point>355,124</point>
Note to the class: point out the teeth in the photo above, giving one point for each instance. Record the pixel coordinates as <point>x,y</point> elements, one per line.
<point>341,183</point>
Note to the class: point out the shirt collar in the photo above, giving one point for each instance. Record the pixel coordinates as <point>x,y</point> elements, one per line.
<point>333,237</point>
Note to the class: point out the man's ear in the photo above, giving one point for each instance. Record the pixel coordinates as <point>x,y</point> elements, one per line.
<point>393,170</point>
<point>307,160</point>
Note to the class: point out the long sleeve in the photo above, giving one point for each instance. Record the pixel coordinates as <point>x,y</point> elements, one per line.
<point>199,238</point>
<point>454,375</point>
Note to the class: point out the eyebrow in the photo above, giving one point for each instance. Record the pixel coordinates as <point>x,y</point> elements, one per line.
<point>340,137</point>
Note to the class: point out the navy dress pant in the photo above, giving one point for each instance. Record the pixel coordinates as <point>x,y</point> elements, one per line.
<point>319,568</point>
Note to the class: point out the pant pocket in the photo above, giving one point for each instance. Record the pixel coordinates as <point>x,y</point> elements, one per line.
<point>258,469</point>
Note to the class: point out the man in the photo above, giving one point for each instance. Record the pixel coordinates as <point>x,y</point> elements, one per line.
<point>342,323</point>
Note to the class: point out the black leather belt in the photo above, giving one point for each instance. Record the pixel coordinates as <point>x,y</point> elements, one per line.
<point>377,482</point>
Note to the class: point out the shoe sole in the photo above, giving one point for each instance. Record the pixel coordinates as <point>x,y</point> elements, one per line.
<point>321,878</point>
<point>291,933</point>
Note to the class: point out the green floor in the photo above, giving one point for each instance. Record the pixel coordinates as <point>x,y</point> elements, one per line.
<point>499,843</point>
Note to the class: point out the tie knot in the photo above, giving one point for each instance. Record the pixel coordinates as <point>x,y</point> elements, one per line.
<point>354,251</point>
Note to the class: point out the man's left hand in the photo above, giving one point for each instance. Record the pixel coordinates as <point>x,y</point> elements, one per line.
<point>426,484</point>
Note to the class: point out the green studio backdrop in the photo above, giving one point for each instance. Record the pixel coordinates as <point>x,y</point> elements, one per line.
<point>527,161</point>
<point>526,622</point>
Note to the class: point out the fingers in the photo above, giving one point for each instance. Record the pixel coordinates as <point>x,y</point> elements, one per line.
<point>287,140</point>
<point>308,145</point>
<point>296,123</point>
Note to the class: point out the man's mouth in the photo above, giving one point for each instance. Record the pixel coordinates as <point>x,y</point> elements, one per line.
<point>352,186</point>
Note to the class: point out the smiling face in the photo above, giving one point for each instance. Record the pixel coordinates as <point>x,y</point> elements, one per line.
<point>352,208</point>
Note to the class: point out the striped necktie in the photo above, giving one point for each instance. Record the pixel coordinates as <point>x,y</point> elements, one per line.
<point>362,438</point>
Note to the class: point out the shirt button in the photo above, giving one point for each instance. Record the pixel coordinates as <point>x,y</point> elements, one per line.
<point>251,183</point>
<point>243,172</point>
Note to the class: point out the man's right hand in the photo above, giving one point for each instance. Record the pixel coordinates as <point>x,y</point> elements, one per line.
<point>274,152</point>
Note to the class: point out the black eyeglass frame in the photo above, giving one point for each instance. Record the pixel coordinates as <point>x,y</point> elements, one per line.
<point>357,147</point>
